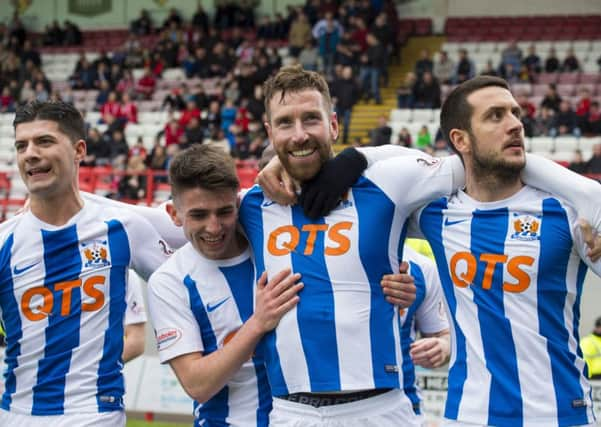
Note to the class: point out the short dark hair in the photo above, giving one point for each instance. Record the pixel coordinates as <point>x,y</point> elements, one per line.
<point>294,78</point>
<point>202,166</point>
<point>456,111</point>
<point>67,117</point>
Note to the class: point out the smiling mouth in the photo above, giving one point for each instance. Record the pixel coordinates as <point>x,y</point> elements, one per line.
<point>212,240</point>
<point>38,171</point>
<point>303,153</point>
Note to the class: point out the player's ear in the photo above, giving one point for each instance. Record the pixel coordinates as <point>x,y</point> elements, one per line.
<point>460,140</point>
<point>172,211</point>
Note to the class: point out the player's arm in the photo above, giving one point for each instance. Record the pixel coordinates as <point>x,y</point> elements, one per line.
<point>582,193</point>
<point>202,376</point>
<point>133,345</point>
<point>135,319</point>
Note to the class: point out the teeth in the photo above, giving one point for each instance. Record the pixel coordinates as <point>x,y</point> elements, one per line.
<point>302,153</point>
<point>207,239</point>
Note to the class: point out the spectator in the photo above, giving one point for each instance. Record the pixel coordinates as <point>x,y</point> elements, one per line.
<point>309,56</point>
<point>465,68</point>
<point>147,84</point>
<point>127,83</point>
<point>372,64</point>
<point>173,133</point>
<point>173,19</point>
<point>532,62</point>
<point>444,68</point>
<point>594,163</point>
<point>217,137</point>
<point>174,100</point>
<point>509,73</point>
<point>346,51</point>
<point>256,106</point>
<point>345,94</point>
<point>133,185</point>
<point>27,93</point>
<point>41,94</point>
<point>570,63</point>
<point>322,26</point>
<point>73,35</point>
<point>128,110</point>
<point>7,102</point>
<point>578,164</point>
<point>423,64</point>
<point>84,75</point>
<point>489,69</point>
<point>528,113</point>
<point>142,26</point>
<point>53,34</point>
<point>426,92</point>
<point>591,349</point>
<point>584,104</point>
<point>193,133</point>
<point>98,151</point>
<point>138,149</point>
<point>552,98</point>
<point>119,148</point>
<point>200,19</point>
<point>328,41</point>
<point>424,139</point>
<point>512,55</point>
<point>213,118</point>
<point>552,62</point>
<point>566,122</point>
<point>30,54</point>
<point>380,135</point>
<point>111,109</point>
<point>299,35</point>
<point>157,160</point>
<point>591,125</point>
<point>544,122</point>
<point>405,91</point>
<point>404,138</point>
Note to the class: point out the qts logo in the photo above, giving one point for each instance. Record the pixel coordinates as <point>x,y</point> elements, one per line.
<point>38,303</point>
<point>464,267</point>
<point>287,238</point>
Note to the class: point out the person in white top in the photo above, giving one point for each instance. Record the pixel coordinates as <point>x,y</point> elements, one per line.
<point>63,275</point>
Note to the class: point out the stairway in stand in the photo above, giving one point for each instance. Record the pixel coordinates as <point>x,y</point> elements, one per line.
<point>366,114</point>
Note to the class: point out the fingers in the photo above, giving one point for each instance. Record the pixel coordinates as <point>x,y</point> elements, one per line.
<point>276,184</point>
<point>403,267</point>
<point>278,288</point>
<point>591,238</point>
<point>399,289</point>
<point>262,282</point>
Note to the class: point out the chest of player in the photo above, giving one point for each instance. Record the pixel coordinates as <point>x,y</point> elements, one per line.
<point>517,252</point>
<point>63,272</point>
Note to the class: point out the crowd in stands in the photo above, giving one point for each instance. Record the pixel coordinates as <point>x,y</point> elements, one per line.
<point>349,41</point>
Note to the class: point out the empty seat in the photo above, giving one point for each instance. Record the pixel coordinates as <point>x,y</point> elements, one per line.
<point>422,116</point>
<point>400,115</point>
<point>541,144</point>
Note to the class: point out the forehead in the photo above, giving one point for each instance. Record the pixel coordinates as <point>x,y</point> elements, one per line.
<point>36,128</point>
<point>308,99</point>
<point>484,98</point>
<point>200,198</point>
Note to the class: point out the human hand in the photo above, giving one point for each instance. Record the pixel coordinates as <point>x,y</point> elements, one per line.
<point>276,183</point>
<point>275,298</point>
<point>399,288</point>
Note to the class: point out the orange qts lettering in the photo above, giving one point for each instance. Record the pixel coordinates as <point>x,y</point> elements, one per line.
<point>286,247</point>
<point>491,261</point>
<point>41,311</point>
<point>344,244</point>
<point>89,287</point>
<point>513,268</point>
<point>466,278</point>
<point>291,238</point>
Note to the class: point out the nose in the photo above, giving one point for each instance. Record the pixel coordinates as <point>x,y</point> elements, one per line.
<point>213,225</point>
<point>300,135</point>
<point>515,124</point>
<point>30,152</point>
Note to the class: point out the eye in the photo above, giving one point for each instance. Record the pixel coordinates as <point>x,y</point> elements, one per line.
<point>20,146</point>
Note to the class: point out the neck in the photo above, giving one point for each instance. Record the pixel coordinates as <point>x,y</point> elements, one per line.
<point>490,187</point>
<point>56,210</point>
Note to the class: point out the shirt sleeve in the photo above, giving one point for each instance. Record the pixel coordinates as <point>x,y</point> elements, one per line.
<point>175,326</point>
<point>430,317</point>
<point>582,193</point>
<point>135,311</point>
<point>413,181</point>
<point>157,216</point>
<point>148,249</point>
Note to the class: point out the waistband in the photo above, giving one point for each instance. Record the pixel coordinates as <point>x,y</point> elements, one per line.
<point>318,400</point>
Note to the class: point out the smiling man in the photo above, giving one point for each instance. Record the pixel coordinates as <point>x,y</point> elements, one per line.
<point>63,281</point>
<point>201,300</point>
<point>335,358</point>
